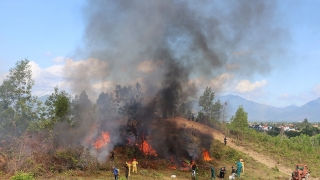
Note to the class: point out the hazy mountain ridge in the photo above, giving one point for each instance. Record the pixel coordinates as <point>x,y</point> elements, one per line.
<point>261,112</point>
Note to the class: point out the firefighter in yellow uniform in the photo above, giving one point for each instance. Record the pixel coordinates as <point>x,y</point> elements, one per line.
<point>241,161</point>
<point>129,166</point>
<point>134,166</point>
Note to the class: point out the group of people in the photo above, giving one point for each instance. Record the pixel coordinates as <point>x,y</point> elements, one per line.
<point>129,164</point>
<point>234,172</point>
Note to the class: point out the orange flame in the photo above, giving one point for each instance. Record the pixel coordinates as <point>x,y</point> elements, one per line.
<point>173,167</point>
<point>147,149</point>
<point>103,140</point>
<point>206,156</point>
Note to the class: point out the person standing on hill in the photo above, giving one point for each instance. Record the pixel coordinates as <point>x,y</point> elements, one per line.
<point>194,170</point>
<point>112,158</point>
<point>225,140</point>
<point>242,163</point>
<point>213,176</point>
<point>233,173</point>
<point>222,172</point>
<point>239,168</point>
<point>127,171</point>
<point>134,166</point>
<point>128,163</point>
<point>115,172</point>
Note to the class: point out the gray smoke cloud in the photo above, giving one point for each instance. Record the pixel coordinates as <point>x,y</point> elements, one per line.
<point>179,39</point>
<point>157,43</point>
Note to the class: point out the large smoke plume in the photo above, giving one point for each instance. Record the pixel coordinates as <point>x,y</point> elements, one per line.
<point>164,44</point>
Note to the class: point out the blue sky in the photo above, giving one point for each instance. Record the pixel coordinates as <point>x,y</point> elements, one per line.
<point>49,32</point>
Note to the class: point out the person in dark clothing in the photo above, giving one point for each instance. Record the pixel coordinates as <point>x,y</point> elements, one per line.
<point>194,169</point>
<point>127,171</point>
<point>233,173</point>
<point>233,170</point>
<point>115,172</point>
<point>225,140</point>
<point>112,156</point>
<point>222,172</point>
<point>194,166</point>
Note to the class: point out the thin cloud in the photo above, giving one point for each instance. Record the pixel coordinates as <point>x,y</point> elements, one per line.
<point>46,78</point>
<point>316,90</point>
<point>59,59</point>
<point>284,96</point>
<point>245,86</point>
<point>218,84</point>
<point>300,98</point>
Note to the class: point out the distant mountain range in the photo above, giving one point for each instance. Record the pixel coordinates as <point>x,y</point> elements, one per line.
<point>265,113</point>
<point>261,112</point>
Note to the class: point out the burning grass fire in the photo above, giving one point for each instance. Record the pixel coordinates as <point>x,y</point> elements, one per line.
<point>206,156</point>
<point>147,149</point>
<point>103,140</point>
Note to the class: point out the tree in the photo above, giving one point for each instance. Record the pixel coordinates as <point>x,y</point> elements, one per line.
<point>17,104</point>
<point>216,111</point>
<point>129,102</point>
<point>169,99</point>
<point>81,109</point>
<point>106,107</point>
<point>58,106</point>
<point>206,102</point>
<point>240,120</point>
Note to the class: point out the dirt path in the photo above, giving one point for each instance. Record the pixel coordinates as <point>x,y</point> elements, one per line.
<point>270,162</point>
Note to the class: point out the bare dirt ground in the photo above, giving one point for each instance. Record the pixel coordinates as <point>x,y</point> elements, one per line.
<point>268,161</point>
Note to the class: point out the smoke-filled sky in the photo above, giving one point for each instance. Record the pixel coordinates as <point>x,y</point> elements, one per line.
<point>265,51</point>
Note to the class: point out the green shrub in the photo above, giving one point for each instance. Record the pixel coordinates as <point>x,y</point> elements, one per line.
<point>232,155</point>
<point>22,176</point>
<point>158,175</point>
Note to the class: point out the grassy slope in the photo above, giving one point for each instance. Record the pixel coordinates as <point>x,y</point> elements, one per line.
<point>253,169</point>
<point>157,168</point>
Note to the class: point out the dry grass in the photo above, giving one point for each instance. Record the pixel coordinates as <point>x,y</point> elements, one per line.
<point>36,155</point>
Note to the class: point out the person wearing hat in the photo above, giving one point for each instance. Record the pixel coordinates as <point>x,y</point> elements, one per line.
<point>134,166</point>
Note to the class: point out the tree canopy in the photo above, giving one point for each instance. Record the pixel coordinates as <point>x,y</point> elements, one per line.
<point>17,104</point>
<point>240,120</point>
<point>211,111</point>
